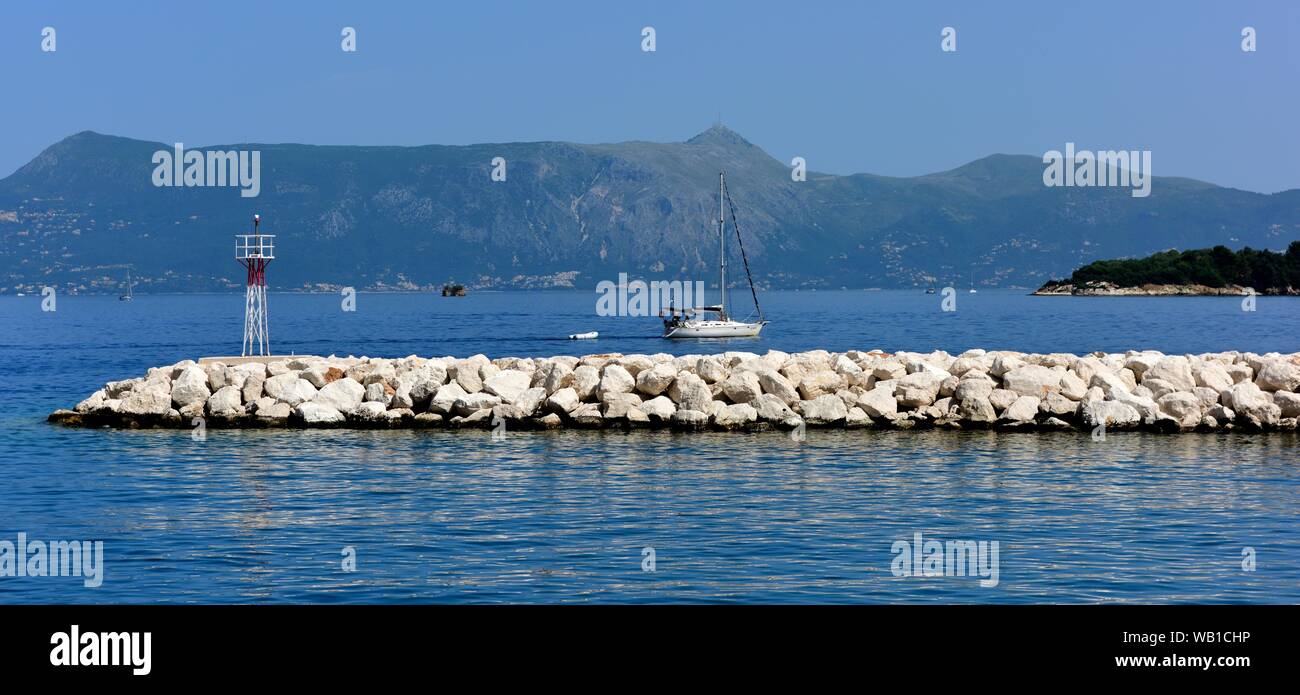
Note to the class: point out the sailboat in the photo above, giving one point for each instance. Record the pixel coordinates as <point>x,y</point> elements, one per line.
<point>128,296</point>
<point>690,322</point>
<point>972,282</point>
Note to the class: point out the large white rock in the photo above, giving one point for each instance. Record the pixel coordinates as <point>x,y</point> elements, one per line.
<point>889,368</point>
<point>1108,413</point>
<point>1157,387</point>
<point>1181,406</point>
<point>149,397</point>
<point>317,374</point>
<point>190,387</point>
<point>710,369</point>
<point>771,408</point>
<point>424,381</point>
<point>508,384</point>
<point>659,408</point>
<point>343,395</point>
<point>585,380</point>
<point>1289,403</point>
<point>376,393</point>
<point>735,416</point>
<point>474,402</point>
<point>318,413</point>
<point>1025,409</point>
<point>467,375</point>
<point>1176,370</point>
<point>444,399</point>
<point>691,419</point>
<point>225,402</point>
<point>844,366</point>
<point>1110,383</point>
<point>1001,399</point>
<point>1058,404</point>
<point>635,364</point>
<point>1032,380</point>
<point>119,389</point>
<point>272,386</point>
<point>917,390</point>
<point>299,390</point>
<point>1073,387</point>
<point>824,410</point>
<point>976,409</point>
<point>819,383</point>
<point>529,400</point>
<point>656,380</point>
<point>553,376</point>
<point>690,392</point>
<point>1145,406</point>
<point>742,387</point>
<point>879,402</point>
<point>775,383</point>
<point>1212,375</point>
<point>562,401</point>
<point>253,381</point>
<point>614,380</point>
<point>1253,404</point>
<point>1277,375</point>
<point>1004,363</point>
<point>973,388</point>
<point>1140,362</point>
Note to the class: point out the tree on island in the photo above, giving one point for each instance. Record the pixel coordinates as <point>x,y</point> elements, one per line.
<point>1265,271</point>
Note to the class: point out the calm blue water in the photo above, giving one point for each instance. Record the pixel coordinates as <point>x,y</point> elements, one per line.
<point>251,516</point>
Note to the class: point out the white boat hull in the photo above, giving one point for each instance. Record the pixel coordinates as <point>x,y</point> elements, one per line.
<point>714,329</point>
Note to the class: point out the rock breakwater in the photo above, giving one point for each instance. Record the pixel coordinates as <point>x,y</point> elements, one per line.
<point>727,391</point>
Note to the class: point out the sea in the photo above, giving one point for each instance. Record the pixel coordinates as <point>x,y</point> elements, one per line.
<point>432,516</point>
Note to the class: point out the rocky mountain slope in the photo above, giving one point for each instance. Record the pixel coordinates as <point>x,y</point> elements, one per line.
<point>572,215</point>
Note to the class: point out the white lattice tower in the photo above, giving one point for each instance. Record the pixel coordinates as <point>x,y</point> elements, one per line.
<point>255,251</point>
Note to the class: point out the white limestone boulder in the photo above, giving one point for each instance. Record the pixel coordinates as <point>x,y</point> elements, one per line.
<point>824,410</point>
<point>226,402</point>
<point>508,384</point>
<point>190,386</point>
<point>312,413</point>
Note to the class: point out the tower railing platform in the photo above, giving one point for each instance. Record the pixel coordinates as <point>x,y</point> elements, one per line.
<point>254,246</point>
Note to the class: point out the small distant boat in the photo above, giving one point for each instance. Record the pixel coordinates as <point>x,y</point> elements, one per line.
<point>682,323</point>
<point>128,296</point>
<point>584,336</point>
<point>929,290</point>
<point>972,282</point>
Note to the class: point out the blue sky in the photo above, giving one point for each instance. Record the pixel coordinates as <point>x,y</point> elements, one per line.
<point>850,86</point>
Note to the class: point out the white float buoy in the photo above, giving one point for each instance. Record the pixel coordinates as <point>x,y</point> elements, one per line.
<point>583,336</point>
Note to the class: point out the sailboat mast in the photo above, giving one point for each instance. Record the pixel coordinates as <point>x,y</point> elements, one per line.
<point>722,253</point>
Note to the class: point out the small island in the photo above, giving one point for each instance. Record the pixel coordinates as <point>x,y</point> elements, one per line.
<point>1199,272</point>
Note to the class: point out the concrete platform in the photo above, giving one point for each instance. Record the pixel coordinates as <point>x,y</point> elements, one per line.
<point>231,361</point>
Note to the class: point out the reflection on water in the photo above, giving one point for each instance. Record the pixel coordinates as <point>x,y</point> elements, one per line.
<point>563,516</point>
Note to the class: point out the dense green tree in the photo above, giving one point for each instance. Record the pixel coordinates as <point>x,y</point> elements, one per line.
<point>1220,266</point>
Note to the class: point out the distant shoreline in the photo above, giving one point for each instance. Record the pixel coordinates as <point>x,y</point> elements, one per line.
<point>1107,289</point>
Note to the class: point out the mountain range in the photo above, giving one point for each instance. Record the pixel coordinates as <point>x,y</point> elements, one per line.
<point>571,215</point>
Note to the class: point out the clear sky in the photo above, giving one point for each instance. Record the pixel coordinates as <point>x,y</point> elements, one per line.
<point>852,86</point>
